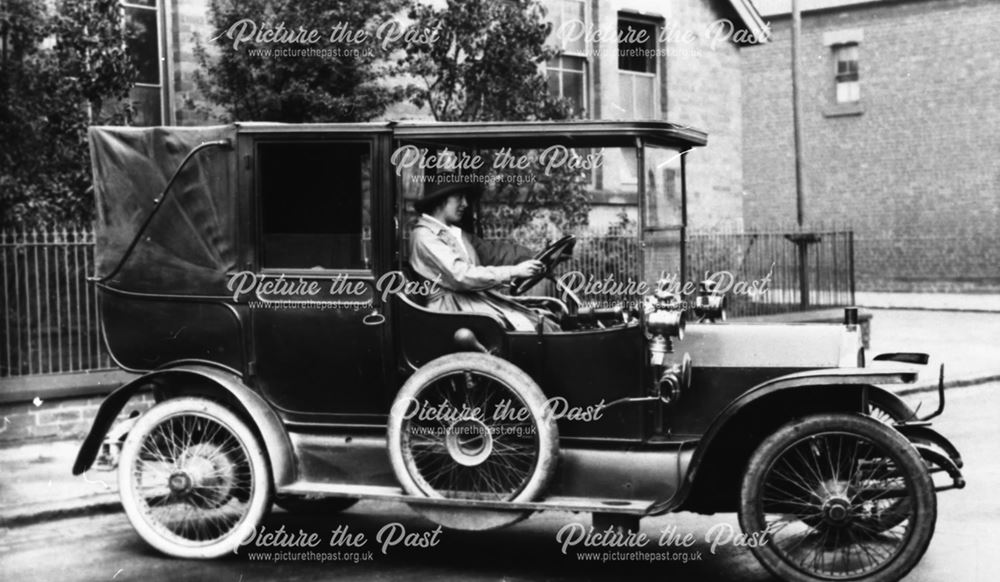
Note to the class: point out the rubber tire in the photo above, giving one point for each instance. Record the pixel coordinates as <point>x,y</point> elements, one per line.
<point>259,504</point>
<point>924,518</point>
<point>526,388</point>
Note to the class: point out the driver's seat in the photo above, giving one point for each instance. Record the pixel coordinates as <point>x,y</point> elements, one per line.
<point>554,307</point>
<point>412,275</point>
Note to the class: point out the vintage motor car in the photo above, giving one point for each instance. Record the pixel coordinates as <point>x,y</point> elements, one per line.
<point>256,276</point>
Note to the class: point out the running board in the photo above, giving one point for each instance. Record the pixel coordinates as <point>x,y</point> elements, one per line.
<point>576,504</point>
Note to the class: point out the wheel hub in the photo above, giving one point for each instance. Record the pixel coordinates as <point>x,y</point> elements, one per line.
<point>837,510</point>
<point>469,442</point>
<point>206,471</point>
<point>180,483</point>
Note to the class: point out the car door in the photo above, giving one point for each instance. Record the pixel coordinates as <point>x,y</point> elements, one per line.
<point>318,347</point>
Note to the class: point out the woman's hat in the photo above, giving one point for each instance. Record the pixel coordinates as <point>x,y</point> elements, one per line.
<point>434,194</point>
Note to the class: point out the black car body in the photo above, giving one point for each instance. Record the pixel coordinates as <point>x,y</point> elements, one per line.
<point>208,266</point>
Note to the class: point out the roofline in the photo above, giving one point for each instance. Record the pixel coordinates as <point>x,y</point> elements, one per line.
<point>587,129</point>
<point>752,19</point>
<point>280,127</point>
<point>581,133</point>
<point>487,131</point>
<point>838,7</point>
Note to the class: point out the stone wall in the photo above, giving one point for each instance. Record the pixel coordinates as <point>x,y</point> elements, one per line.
<point>64,418</point>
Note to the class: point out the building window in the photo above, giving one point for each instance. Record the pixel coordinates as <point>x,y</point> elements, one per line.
<point>636,45</point>
<point>144,45</point>
<point>637,68</point>
<point>567,73</point>
<point>568,79</point>
<point>846,74</point>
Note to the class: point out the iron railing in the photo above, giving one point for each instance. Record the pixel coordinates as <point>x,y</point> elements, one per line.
<point>51,324</point>
<point>50,321</point>
<point>744,263</point>
<point>751,256</point>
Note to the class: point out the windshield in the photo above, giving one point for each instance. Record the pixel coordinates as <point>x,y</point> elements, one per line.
<point>534,196</point>
<point>663,215</point>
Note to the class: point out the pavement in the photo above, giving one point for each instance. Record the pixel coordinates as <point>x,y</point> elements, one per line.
<point>36,483</point>
<point>969,302</point>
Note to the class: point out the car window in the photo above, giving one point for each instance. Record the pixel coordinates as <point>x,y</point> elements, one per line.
<point>315,204</point>
<point>535,196</point>
<point>663,188</point>
<point>663,215</point>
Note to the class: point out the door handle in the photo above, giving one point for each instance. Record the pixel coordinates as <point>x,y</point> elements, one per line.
<point>374,318</point>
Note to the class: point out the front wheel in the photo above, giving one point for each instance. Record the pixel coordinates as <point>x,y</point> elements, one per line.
<point>193,478</point>
<point>820,492</point>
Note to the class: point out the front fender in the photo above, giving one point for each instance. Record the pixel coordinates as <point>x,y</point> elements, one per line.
<point>862,380</point>
<point>264,420</point>
<point>856,384</point>
<point>920,433</point>
<point>936,450</point>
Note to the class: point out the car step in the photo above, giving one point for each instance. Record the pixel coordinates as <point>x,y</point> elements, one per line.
<point>554,503</point>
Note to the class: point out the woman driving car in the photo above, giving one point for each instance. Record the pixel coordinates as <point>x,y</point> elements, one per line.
<point>467,268</point>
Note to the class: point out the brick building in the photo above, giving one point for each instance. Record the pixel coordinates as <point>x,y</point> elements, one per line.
<point>693,77</point>
<point>901,101</point>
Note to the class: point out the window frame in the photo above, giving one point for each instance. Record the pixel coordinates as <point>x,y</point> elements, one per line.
<point>656,25</point>
<point>833,40</point>
<point>562,6</point>
<point>625,17</point>
<point>849,76</point>
<point>367,273</point>
<point>562,72</point>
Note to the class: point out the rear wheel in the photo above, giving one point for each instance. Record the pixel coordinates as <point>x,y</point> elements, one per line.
<point>472,426</point>
<point>838,497</point>
<point>193,478</point>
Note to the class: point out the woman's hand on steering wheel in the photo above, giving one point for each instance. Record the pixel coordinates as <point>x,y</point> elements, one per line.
<point>551,256</point>
<point>528,268</point>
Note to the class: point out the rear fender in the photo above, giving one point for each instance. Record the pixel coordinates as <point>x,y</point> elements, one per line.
<point>207,381</point>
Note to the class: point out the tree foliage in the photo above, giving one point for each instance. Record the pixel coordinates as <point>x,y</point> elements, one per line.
<point>486,66</point>
<point>254,85</point>
<point>485,63</point>
<point>59,73</point>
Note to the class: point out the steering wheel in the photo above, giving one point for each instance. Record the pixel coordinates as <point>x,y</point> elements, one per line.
<point>551,256</point>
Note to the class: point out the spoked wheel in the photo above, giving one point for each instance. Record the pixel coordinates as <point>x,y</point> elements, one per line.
<point>193,479</point>
<point>894,512</point>
<point>840,497</point>
<point>472,426</point>
<point>880,414</point>
<point>889,513</point>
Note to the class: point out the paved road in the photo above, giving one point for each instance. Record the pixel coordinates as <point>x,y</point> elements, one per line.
<point>105,548</point>
<point>967,343</point>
